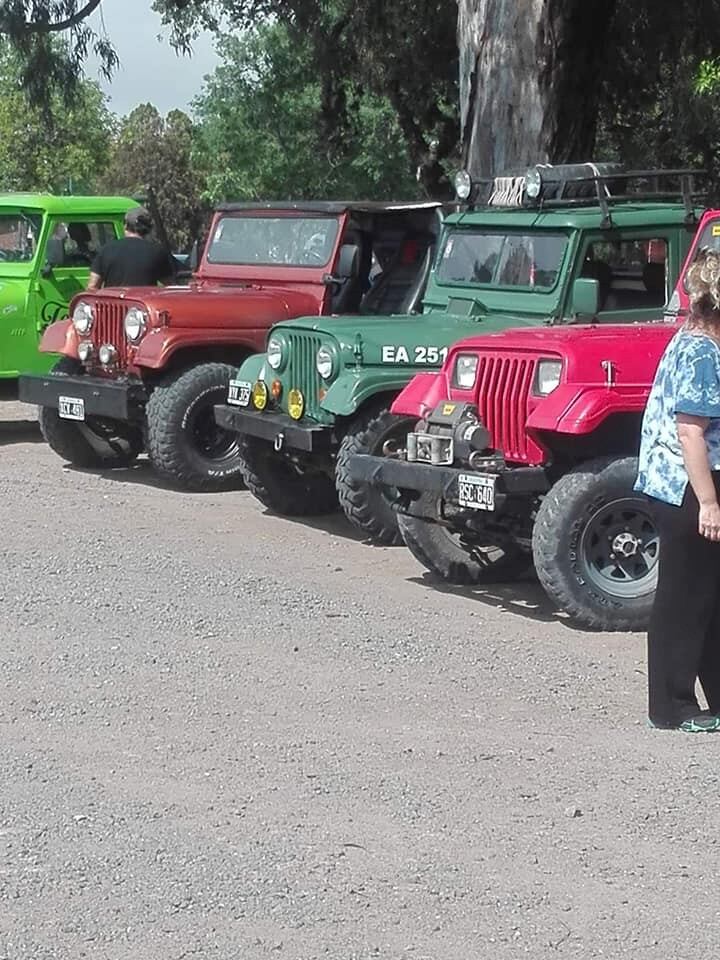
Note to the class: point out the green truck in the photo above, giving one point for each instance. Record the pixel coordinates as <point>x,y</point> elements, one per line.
<point>323,390</point>
<point>47,244</point>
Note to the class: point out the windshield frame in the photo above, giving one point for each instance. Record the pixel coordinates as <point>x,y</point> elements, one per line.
<point>280,218</point>
<point>38,218</point>
<point>454,230</point>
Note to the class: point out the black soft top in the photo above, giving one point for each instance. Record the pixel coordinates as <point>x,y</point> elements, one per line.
<point>332,206</point>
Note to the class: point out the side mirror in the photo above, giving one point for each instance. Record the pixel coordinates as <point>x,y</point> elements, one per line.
<point>348,265</point>
<point>194,258</point>
<point>585,301</point>
<point>47,270</point>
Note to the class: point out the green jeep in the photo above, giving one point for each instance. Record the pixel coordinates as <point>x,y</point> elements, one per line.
<point>46,246</point>
<point>324,388</point>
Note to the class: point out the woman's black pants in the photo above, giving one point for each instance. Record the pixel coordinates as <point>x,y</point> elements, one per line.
<point>684,632</point>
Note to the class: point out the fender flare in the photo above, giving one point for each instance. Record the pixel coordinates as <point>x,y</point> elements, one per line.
<point>60,337</point>
<point>353,389</point>
<point>572,411</point>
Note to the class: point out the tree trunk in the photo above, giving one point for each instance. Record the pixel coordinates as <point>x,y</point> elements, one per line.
<point>530,73</point>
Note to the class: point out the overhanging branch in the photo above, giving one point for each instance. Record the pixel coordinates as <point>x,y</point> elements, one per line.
<point>46,27</point>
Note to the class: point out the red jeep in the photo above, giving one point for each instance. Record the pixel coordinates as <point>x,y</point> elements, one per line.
<point>525,453</point>
<point>144,367</point>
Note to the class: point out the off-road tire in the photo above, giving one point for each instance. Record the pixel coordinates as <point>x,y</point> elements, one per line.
<point>278,485</point>
<point>432,546</point>
<point>181,430</point>
<point>366,506</point>
<point>564,533</point>
<point>78,443</point>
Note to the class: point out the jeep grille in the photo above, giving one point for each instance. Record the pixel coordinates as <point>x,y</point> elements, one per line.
<point>108,327</point>
<point>503,385</point>
<point>302,372</point>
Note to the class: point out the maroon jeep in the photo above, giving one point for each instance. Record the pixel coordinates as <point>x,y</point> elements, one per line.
<point>142,368</point>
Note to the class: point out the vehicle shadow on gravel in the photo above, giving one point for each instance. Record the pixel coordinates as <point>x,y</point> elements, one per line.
<point>19,431</point>
<point>524,597</point>
<point>141,472</point>
<point>333,524</point>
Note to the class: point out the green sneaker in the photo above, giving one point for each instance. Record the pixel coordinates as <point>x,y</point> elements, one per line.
<point>701,723</point>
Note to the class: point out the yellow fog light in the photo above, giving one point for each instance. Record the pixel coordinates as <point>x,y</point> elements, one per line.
<point>259,395</point>
<point>296,404</point>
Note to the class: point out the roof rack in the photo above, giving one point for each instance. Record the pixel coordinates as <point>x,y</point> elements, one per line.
<point>547,186</point>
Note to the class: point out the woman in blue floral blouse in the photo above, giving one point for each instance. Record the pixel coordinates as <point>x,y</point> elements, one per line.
<point>680,469</point>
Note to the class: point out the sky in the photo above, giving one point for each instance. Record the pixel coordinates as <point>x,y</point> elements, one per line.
<point>150,70</point>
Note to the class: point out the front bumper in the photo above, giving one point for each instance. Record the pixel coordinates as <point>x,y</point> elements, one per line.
<point>277,428</point>
<point>116,399</point>
<point>513,483</point>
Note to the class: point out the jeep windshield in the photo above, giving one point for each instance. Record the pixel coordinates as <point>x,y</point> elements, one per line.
<point>273,241</point>
<point>529,260</point>
<point>19,234</point>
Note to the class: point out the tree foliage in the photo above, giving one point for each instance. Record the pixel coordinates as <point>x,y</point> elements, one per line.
<point>405,51</point>
<point>261,134</point>
<point>539,79</point>
<point>56,147</point>
<point>150,153</point>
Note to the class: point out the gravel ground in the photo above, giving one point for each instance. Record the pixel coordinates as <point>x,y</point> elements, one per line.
<point>231,736</point>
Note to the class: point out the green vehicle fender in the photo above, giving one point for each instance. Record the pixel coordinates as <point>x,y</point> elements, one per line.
<point>353,388</point>
<point>252,369</point>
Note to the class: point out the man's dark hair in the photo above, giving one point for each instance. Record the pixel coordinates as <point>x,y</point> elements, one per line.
<point>138,220</point>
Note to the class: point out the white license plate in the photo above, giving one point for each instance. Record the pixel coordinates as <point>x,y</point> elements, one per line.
<point>71,408</point>
<point>476,491</point>
<point>239,393</point>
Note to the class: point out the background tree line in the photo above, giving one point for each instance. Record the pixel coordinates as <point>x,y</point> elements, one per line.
<point>331,98</point>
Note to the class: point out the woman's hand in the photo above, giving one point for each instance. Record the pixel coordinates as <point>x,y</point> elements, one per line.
<point>691,433</point>
<point>709,521</point>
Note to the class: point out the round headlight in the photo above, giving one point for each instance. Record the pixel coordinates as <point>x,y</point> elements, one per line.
<point>82,317</point>
<point>135,323</point>
<point>107,354</point>
<point>259,395</point>
<point>85,351</point>
<point>325,362</point>
<point>463,185</point>
<point>296,404</point>
<point>276,353</point>
<point>533,183</point>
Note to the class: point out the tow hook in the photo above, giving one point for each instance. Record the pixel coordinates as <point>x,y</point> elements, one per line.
<point>391,449</point>
<point>278,442</point>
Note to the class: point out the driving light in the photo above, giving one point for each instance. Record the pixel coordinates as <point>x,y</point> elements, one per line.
<point>259,395</point>
<point>463,185</point>
<point>466,367</point>
<point>85,351</point>
<point>82,317</point>
<point>135,323</point>
<point>107,354</point>
<point>296,404</point>
<point>276,353</point>
<point>548,375</point>
<point>533,183</point>
<point>325,362</point>
<point>276,390</point>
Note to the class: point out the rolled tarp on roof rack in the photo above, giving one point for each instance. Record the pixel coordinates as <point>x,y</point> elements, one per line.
<point>585,184</point>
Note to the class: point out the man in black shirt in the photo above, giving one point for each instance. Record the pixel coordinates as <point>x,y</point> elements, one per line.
<point>132,261</point>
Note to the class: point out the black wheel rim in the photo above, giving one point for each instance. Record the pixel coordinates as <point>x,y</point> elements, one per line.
<point>210,440</point>
<point>619,549</point>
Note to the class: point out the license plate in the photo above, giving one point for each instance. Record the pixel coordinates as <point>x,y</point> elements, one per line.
<point>239,393</point>
<point>71,408</point>
<point>476,491</point>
